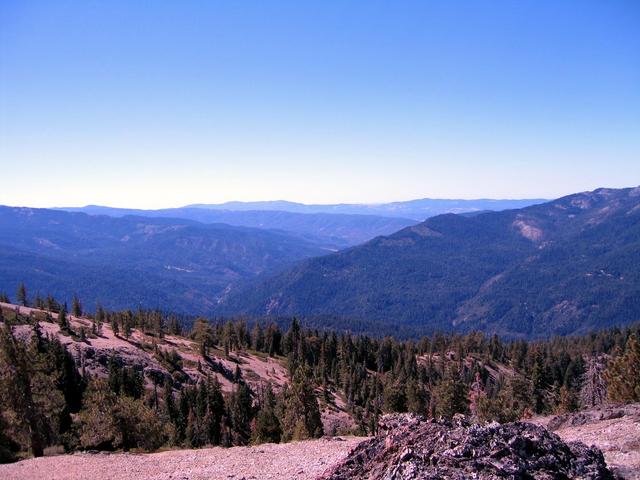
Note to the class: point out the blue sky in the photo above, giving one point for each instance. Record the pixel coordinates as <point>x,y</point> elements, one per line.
<point>157,104</point>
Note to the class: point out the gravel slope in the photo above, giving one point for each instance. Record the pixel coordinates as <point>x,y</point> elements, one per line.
<point>295,461</point>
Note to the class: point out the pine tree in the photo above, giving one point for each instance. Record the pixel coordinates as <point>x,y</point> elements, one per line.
<point>623,373</point>
<point>267,426</point>
<point>62,319</point>
<point>292,337</point>
<point>416,397</point>
<point>126,327</point>
<point>21,295</point>
<point>8,447</point>
<point>100,314</point>
<point>174,326</point>
<point>451,394</point>
<point>214,411</point>
<point>567,401</point>
<point>114,377</point>
<point>203,334</point>
<point>76,307</point>
<point>170,410</point>
<point>511,403</point>
<point>114,326</point>
<point>16,385</point>
<point>242,334</point>
<point>109,421</point>
<point>241,413</point>
<point>229,337</point>
<point>99,320</point>
<point>257,337</point>
<point>273,339</point>
<point>51,304</point>
<point>192,436</point>
<point>395,399</point>
<point>301,418</point>
<point>38,301</point>
<point>68,379</point>
<point>28,390</point>
<point>539,384</point>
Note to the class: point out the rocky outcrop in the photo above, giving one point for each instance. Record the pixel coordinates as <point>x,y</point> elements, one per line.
<point>596,414</point>
<point>614,429</point>
<point>412,447</point>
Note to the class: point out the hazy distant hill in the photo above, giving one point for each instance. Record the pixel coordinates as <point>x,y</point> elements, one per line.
<point>125,262</point>
<point>327,229</point>
<point>560,267</point>
<point>419,210</point>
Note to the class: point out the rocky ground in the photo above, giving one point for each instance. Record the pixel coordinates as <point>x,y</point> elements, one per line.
<point>614,429</point>
<point>408,447</point>
<point>292,461</point>
<point>139,350</point>
<point>412,447</point>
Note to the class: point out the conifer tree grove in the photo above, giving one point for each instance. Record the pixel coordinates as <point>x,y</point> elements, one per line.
<point>50,397</point>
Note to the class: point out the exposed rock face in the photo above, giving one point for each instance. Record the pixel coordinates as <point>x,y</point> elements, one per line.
<point>411,447</point>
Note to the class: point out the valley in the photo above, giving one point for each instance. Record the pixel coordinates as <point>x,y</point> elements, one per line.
<point>562,267</point>
<point>176,264</point>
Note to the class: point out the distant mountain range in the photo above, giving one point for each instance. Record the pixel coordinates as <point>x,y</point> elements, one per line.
<point>565,266</point>
<point>331,226</point>
<point>174,264</point>
<point>329,230</point>
<point>418,210</point>
<point>182,259</point>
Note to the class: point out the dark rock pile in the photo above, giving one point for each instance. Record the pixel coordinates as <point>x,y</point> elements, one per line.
<point>411,447</point>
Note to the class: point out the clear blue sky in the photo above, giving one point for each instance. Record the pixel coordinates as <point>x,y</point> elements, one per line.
<point>155,104</point>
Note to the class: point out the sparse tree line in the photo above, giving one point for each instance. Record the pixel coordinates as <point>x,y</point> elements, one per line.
<point>47,400</point>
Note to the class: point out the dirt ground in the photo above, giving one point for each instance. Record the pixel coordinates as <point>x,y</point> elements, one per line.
<point>295,461</point>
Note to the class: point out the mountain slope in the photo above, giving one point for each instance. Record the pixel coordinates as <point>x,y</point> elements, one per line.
<point>565,266</point>
<point>327,229</point>
<point>417,210</point>
<point>125,262</point>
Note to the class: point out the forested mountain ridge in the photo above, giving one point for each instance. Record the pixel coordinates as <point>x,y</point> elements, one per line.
<point>566,266</point>
<point>170,263</point>
<point>330,230</point>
